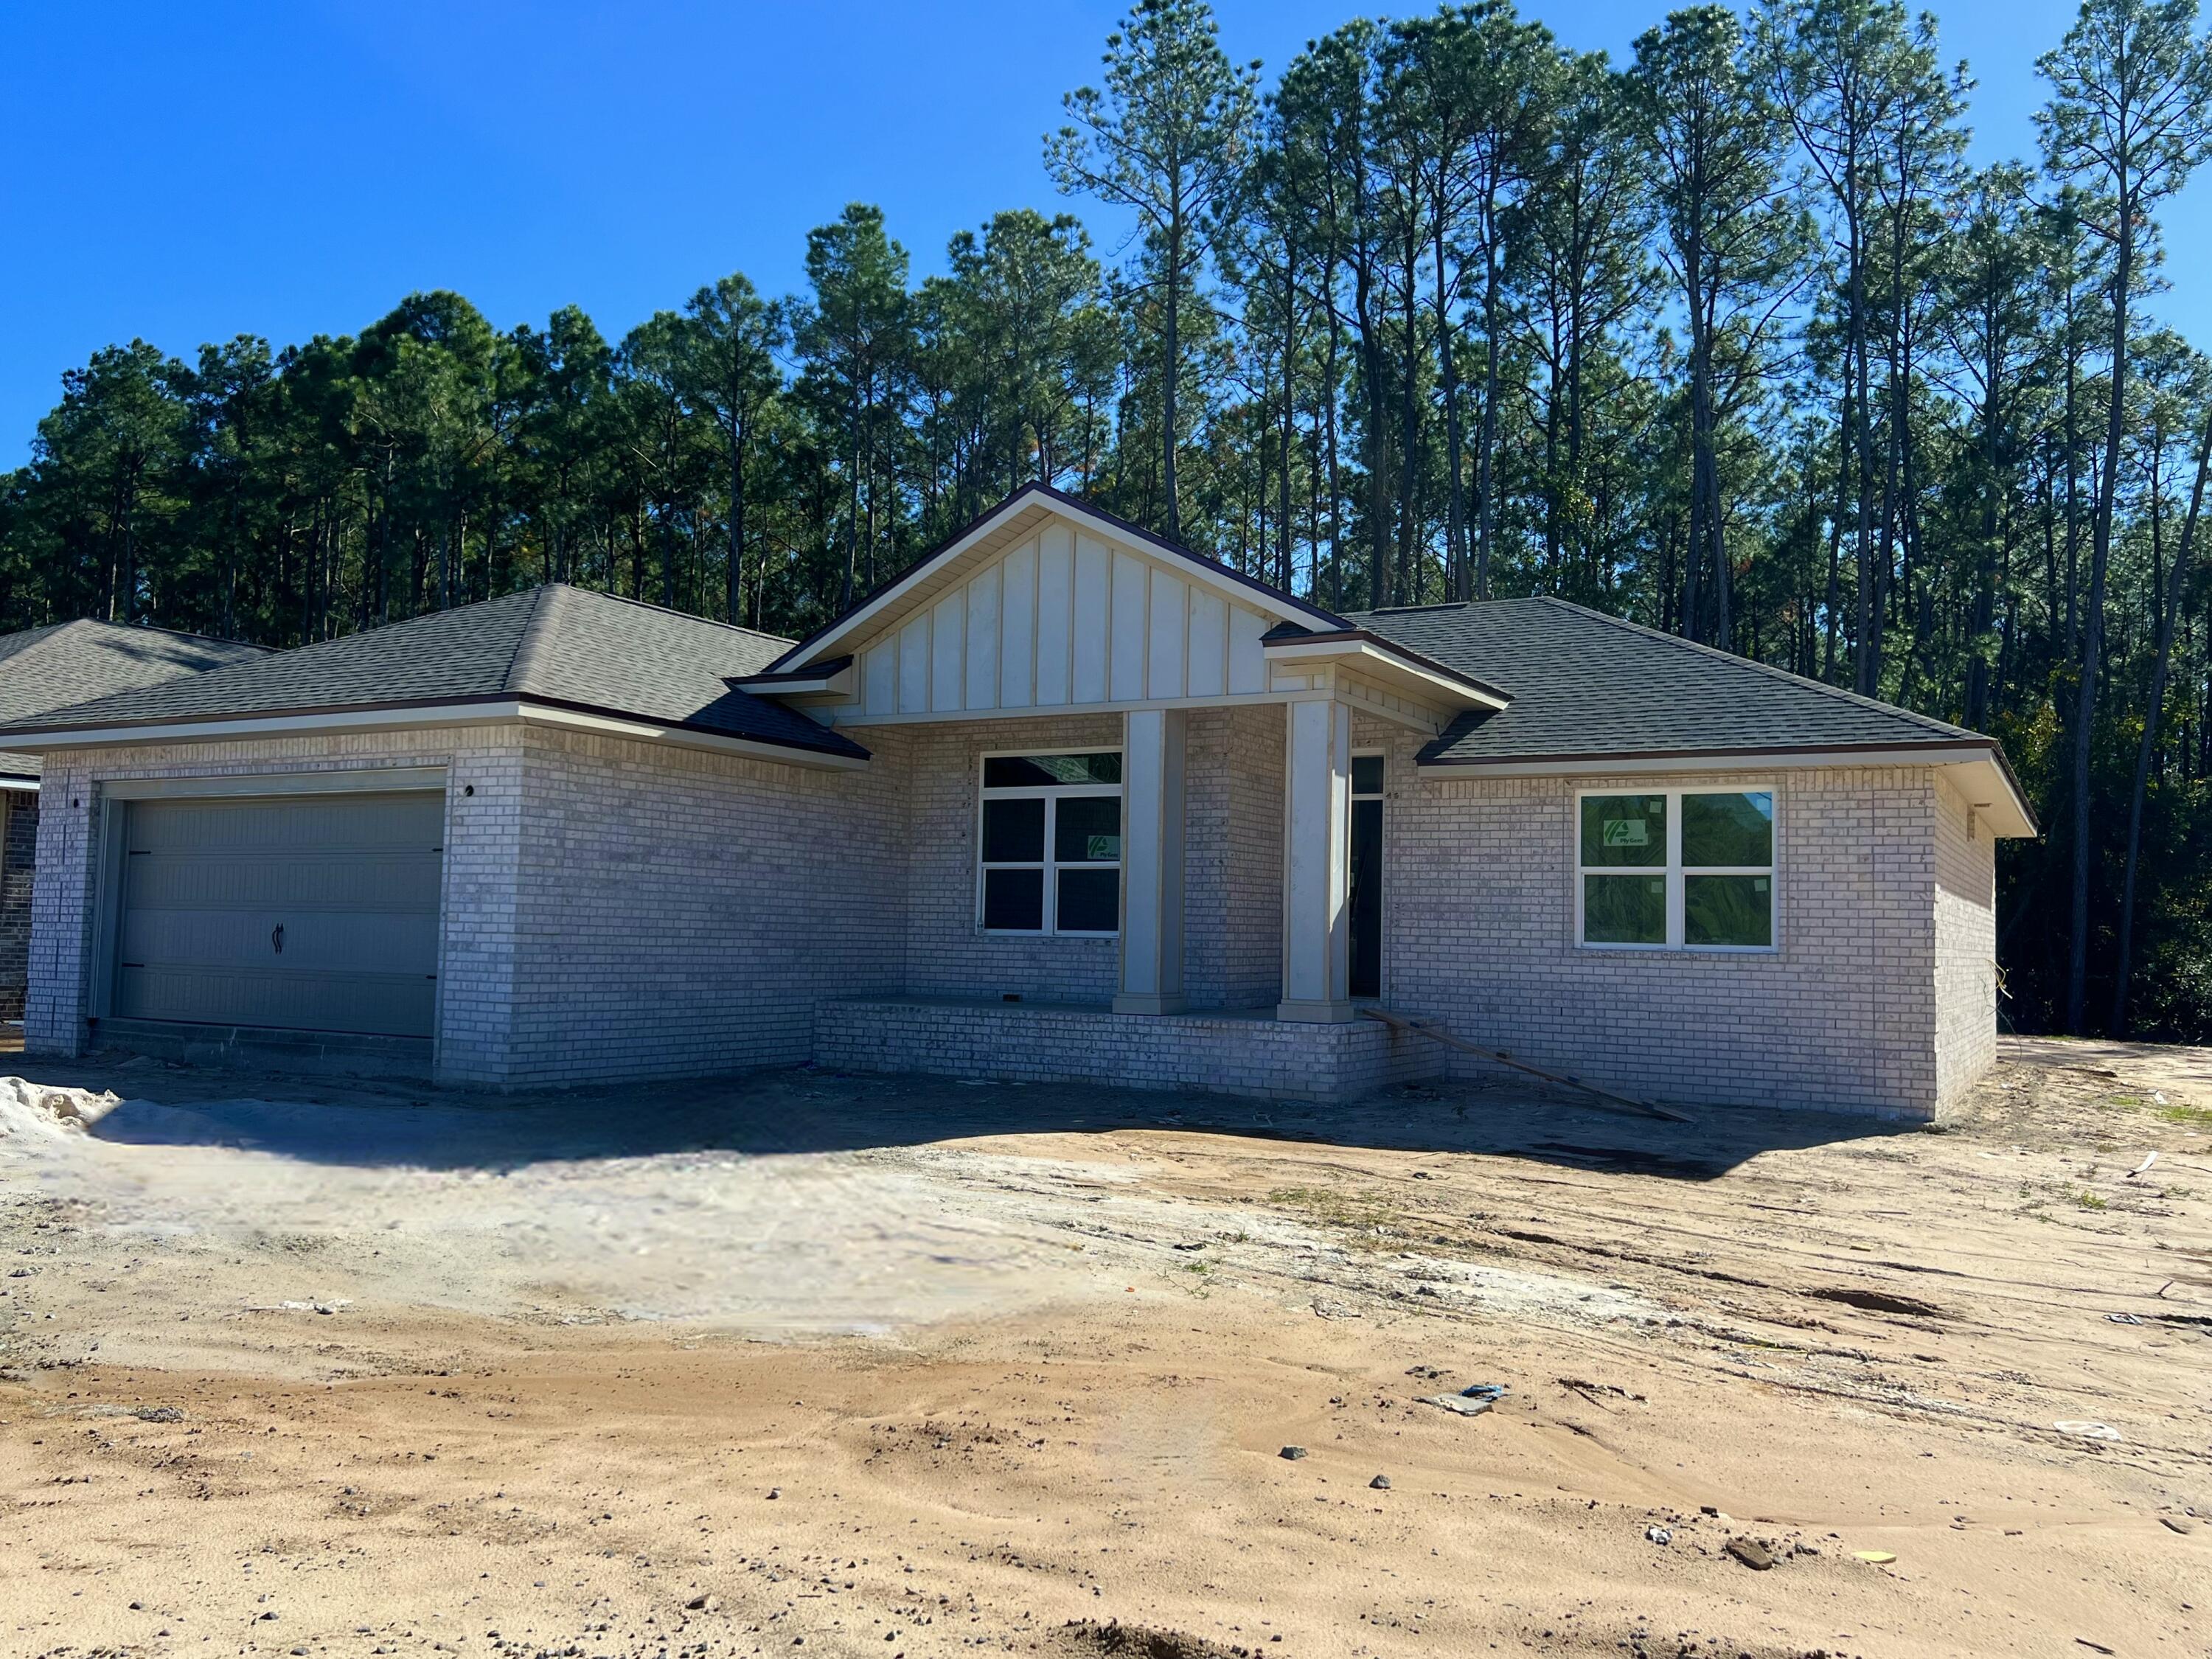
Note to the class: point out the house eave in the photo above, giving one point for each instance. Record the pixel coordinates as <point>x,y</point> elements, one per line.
<point>1980,771</point>
<point>499,709</point>
<point>1386,661</point>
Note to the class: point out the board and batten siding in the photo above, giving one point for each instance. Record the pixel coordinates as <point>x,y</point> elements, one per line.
<point>1063,620</point>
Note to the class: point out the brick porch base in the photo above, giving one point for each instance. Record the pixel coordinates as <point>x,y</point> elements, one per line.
<point>1232,1051</point>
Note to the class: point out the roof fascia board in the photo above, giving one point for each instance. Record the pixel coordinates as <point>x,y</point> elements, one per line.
<point>1378,656</point>
<point>688,737</point>
<point>1065,710</point>
<point>1995,793</point>
<point>865,618</point>
<point>420,716</point>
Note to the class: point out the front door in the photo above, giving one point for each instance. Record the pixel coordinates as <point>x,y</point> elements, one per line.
<point>1366,850</point>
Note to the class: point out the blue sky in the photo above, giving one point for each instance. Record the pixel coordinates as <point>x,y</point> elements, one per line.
<point>187,173</point>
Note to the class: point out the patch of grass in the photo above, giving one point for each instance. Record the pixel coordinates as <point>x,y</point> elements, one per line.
<point>2089,1200</point>
<point>1356,1212</point>
<point>2197,1117</point>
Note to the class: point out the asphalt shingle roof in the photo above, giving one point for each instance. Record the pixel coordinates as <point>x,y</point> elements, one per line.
<point>43,669</point>
<point>554,644</point>
<point>1586,685</point>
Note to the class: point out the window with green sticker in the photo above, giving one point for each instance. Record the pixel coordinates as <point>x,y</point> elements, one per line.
<point>1624,830</point>
<point>1050,844</point>
<point>1685,869</point>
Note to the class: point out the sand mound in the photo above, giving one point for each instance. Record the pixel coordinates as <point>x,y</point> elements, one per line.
<point>34,1112</point>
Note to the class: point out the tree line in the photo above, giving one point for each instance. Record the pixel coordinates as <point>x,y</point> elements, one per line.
<point>1729,337</point>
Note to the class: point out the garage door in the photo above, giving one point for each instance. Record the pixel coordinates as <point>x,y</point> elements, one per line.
<point>312,912</point>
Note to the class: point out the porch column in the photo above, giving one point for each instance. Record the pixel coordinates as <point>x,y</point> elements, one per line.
<point>1151,862</point>
<point>1316,870</point>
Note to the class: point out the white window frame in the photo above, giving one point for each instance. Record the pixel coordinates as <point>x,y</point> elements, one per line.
<point>1673,870</point>
<point>1050,865</point>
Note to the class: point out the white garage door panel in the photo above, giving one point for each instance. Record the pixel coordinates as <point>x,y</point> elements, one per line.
<point>303,913</point>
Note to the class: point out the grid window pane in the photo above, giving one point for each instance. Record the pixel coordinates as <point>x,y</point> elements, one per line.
<point>1013,831</point>
<point>1727,910</point>
<point>1014,900</point>
<point>1087,829</point>
<point>1049,771</point>
<point>1367,774</point>
<point>1089,901</point>
<point>1625,910</point>
<point>1733,829</point>
<point>1624,829</point>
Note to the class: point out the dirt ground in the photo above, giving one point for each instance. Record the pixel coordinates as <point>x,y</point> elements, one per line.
<point>895,1367</point>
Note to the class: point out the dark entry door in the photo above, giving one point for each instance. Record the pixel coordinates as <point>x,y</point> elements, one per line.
<point>1367,875</point>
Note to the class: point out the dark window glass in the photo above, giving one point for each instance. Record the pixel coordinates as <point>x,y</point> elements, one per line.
<point>1367,774</point>
<point>1013,831</point>
<point>1087,829</point>
<point>1733,828</point>
<point>1366,898</point>
<point>1089,901</point>
<point>1014,899</point>
<point>1625,910</point>
<point>1050,771</point>
<point>1624,829</point>
<point>1727,910</point>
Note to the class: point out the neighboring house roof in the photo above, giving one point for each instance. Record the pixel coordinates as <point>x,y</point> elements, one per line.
<point>42,669</point>
<point>559,645</point>
<point>1586,686</point>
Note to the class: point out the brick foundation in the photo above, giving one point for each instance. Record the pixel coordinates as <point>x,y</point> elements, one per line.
<point>1226,1053</point>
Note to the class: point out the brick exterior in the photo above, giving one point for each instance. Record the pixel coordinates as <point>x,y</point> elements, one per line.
<point>682,913</point>
<point>1233,862</point>
<point>615,909</point>
<point>940,767</point>
<point>477,988</point>
<point>1228,1054</point>
<point>1849,1014</point>
<point>19,852</point>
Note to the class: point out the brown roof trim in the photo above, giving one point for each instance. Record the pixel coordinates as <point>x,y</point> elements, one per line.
<point>1966,740</point>
<point>768,679</point>
<point>834,743</point>
<point>1974,741</point>
<point>1060,498</point>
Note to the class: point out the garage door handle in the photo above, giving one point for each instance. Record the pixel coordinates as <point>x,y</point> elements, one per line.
<point>276,938</point>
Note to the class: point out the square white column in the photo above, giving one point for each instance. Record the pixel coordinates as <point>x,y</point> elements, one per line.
<point>1316,864</point>
<point>1151,862</point>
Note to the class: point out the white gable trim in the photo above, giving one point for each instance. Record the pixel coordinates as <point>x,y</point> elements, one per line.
<point>1014,519</point>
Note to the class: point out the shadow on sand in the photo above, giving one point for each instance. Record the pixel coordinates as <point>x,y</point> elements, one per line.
<point>378,1124</point>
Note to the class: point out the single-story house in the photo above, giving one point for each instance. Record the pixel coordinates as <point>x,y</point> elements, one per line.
<point>1065,800</point>
<point>43,669</point>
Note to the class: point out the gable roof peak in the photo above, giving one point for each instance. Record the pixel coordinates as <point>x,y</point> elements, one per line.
<point>989,533</point>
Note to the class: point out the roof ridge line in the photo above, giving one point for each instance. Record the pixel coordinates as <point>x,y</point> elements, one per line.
<point>671,610</point>
<point>1853,698</point>
<point>527,642</point>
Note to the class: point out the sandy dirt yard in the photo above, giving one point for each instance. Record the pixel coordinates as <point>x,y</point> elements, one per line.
<point>860,1365</point>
